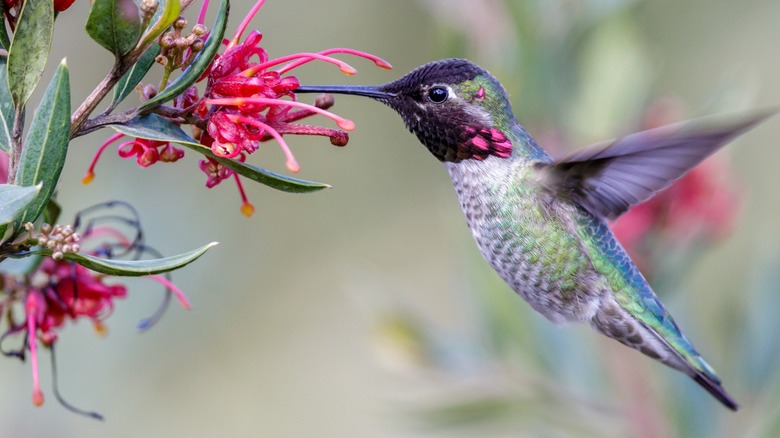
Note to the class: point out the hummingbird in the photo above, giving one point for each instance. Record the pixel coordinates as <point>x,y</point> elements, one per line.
<point>542,222</point>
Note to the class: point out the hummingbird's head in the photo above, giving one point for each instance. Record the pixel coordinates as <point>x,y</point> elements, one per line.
<point>457,109</point>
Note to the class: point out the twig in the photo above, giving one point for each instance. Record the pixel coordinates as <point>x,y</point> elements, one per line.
<point>121,66</point>
<point>102,120</point>
<point>16,143</point>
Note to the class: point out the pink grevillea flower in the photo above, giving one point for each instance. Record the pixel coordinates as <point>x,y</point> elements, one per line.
<point>252,100</point>
<point>216,172</point>
<point>248,99</point>
<point>58,291</point>
<point>251,103</point>
<point>69,292</point>
<point>147,152</point>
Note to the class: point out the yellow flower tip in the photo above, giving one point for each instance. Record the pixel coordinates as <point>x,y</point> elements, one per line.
<point>347,69</point>
<point>100,328</point>
<point>88,178</point>
<point>247,209</point>
<point>37,398</point>
<point>383,64</point>
<point>346,124</point>
<point>293,166</point>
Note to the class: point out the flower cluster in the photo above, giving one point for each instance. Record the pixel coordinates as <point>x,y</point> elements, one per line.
<point>146,152</point>
<point>60,239</point>
<point>248,99</point>
<point>56,290</point>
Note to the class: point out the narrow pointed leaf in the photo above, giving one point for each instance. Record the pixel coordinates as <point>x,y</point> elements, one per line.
<point>6,109</point>
<point>115,25</point>
<point>263,176</point>
<point>136,268</point>
<point>14,200</point>
<point>154,127</point>
<point>46,143</point>
<point>127,83</point>
<point>199,64</point>
<point>163,18</point>
<point>29,49</point>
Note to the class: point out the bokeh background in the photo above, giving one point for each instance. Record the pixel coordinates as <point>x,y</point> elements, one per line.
<point>366,310</point>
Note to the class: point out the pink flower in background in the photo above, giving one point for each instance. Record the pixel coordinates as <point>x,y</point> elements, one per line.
<point>700,207</point>
<point>3,167</point>
<point>57,291</point>
<point>67,291</point>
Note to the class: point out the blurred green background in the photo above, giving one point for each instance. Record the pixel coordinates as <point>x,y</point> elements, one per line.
<point>366,310</point>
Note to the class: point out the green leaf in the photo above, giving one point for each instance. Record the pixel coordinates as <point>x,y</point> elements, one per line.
<point>165,17</point>
<point>6,109</point>
<point>29,49</point>
<point>154,127</point>
<point>136,268</point>
<point>47,143</point>
<point>263,176</point>
<point>14,200</point>
<point>133,76</point>
<point>115,25</point>
<point>199,64</point>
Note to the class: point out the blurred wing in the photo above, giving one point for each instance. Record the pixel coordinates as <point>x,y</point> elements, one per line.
<point>608,179</point>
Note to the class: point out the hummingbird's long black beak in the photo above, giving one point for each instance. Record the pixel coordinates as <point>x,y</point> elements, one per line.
<point>356,90</point>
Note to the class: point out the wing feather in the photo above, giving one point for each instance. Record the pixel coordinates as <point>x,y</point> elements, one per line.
<point>609,178</point>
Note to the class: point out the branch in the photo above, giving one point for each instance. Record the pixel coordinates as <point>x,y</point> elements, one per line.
<point>121,66</point>
<point>16,143</point>
<point>102,120</point>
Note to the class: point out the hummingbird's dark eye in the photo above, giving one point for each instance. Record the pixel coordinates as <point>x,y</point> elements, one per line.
<point>438,94</point>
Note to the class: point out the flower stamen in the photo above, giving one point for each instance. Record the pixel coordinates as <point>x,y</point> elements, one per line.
<point>306,57</point>
<point>30,308</point>
<point>202,14</point>
<point>291,163</point>
<point>345,124</point>
<point>183,300</point>
<point>247,209</point>
<point>244,23</point>
<point>90,175</point>
<point>376,60</point>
